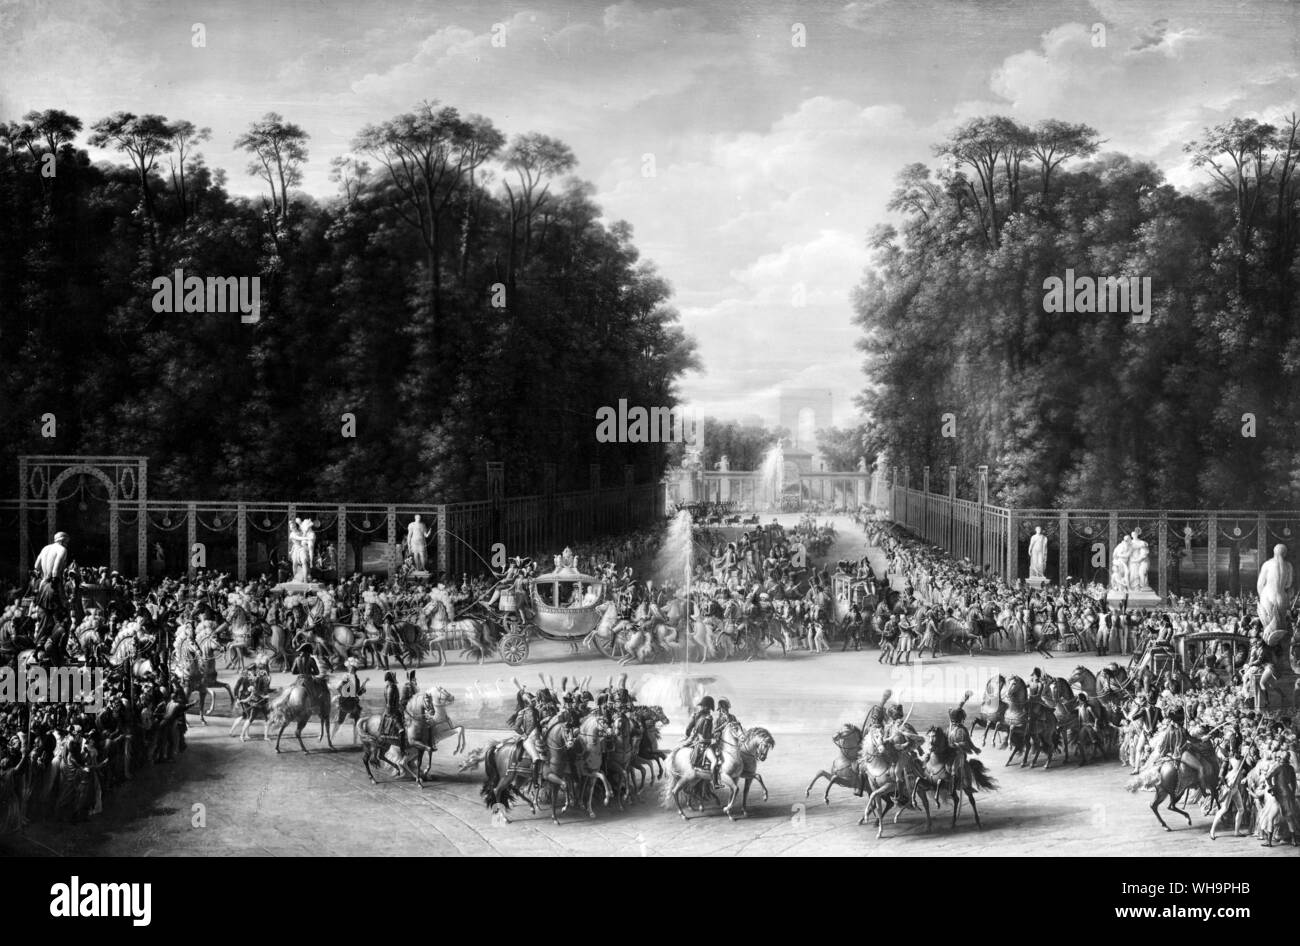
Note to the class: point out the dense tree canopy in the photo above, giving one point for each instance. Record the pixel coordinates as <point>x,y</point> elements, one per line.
<point>457,320</point>
<point>1197,407</point>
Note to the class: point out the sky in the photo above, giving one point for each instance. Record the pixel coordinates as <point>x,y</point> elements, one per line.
<point>752,146</point>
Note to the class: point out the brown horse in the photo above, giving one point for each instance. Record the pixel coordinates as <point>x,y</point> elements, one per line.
<point>1060,698</point>
<point>301,700</point>
<point>843,770</point>
<point>506,768</point>
<point>649,755</point>
<point>1197,767</point>
<point>1031,720</point>
<point>377,746</point>
<point>943,766</point>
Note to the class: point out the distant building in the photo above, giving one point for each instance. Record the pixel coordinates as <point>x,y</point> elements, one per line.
<point>803,412</point>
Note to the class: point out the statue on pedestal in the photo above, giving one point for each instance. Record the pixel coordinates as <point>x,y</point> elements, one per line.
<point>1276,577</point>
<point>1138,563</point>
<point>1038,554</point>
<point>417,535</point>
<point>1119,565</point>
<point>302,546</point>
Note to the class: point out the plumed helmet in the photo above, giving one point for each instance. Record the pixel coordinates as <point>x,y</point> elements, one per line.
<point>956,715</point>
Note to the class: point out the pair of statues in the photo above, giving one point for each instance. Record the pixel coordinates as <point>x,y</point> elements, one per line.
<point>302,548</point>
<point>1129,564</point>
<point>1130,561</point>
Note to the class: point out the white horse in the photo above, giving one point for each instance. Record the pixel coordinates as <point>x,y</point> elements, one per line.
<point>436,701</point>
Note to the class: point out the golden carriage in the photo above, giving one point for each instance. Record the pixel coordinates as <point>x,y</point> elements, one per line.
<point>562,605</point>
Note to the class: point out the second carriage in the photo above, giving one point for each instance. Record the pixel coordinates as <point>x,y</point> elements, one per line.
<point>563,605</point>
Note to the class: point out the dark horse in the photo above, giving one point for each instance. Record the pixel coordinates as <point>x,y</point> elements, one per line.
<point>1196,767</point>
<point>943,767</point>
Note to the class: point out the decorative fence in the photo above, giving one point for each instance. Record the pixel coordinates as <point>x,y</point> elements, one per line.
<point>248,538</point>
<point>1211,550</point>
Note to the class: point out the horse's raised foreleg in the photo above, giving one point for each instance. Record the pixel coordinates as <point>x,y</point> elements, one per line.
<point>823,774</point>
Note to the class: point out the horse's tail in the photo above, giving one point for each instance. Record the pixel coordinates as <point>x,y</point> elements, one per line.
<point>491,778</point>
<point>1148,778</point>
<point>666,789</point>
<point>980,776</point>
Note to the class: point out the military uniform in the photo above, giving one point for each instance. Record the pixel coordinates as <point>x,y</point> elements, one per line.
<point>393,724</point>
<point>699,732</point>
<point>959,739</point>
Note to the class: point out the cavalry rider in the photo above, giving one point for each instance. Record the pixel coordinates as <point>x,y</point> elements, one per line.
<point>306,664</point>
<point>393,724</point>
<point>1170,738</point>
<point>722,719</point>
<point>410,687</point>
<point>732,614</point>
<point>51,595</point>
<point>959,739</point>
<point>527,722</point>
<point>903,735</point>
<point>699,734</point>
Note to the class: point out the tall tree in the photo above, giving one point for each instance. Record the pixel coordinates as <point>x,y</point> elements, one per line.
<point>279,149</point>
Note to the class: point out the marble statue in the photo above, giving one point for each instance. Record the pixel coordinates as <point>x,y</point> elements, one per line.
<point>1276,576</point>
<point>1138,562</point>
<point>1038,554</point>
<point>1119,565</point>
<point>302,543</point>
<point>417,536</point>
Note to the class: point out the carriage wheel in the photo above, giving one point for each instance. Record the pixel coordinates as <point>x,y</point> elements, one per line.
<point>514,648</point>
<point>605,645</point>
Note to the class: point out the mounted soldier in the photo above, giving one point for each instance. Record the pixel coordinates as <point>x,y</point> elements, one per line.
<point>959,740</point>
<point>699,734</point>
<point>527,723</point>
<point>393,724</point>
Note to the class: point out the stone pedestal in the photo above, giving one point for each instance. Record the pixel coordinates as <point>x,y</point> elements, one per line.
<point>1136,599</point>
<point>298,587</point>
<point>1035,582</point>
